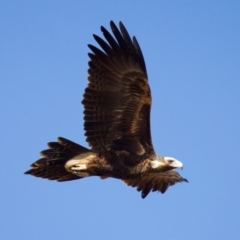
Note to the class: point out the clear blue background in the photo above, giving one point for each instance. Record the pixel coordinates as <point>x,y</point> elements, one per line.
<point>192,53</point>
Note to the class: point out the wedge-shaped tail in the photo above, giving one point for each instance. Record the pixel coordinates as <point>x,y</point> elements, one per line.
<point>52,165</point>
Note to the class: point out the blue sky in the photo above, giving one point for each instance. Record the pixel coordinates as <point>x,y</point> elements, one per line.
<point>192,53</point>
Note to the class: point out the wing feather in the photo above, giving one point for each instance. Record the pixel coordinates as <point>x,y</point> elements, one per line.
<point>117,101</point>
<point>155,181</point>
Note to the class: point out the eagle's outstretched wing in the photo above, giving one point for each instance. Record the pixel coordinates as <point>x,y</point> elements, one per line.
<point>117,101</point>
<point>159,181</point>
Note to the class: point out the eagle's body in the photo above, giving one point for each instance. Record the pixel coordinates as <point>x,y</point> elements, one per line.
<point>117,105</point>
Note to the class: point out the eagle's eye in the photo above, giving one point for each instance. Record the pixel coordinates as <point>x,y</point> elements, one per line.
<point>170,161</point>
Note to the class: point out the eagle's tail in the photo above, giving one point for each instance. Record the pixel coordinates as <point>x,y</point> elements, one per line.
<point>52,165</point>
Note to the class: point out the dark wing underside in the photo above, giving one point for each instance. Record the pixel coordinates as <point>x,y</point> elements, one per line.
<point>155,181</point>
<point>117,101</point>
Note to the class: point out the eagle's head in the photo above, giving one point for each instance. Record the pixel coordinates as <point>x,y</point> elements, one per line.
<point>166,162</point>
<point>173,162</point>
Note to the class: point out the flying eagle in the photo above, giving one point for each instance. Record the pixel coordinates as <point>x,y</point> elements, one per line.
<point>117,103</point>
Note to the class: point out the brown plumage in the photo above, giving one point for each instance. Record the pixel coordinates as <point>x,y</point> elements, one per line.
<point>117,103</point>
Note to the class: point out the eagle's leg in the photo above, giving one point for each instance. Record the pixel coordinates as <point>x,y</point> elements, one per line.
<point>80,165</point>
<point>88,164</point>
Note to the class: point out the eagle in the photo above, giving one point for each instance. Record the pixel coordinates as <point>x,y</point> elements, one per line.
<point>117,104</point>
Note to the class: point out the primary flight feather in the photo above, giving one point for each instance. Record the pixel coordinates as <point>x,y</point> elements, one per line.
<point>117,104</point>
